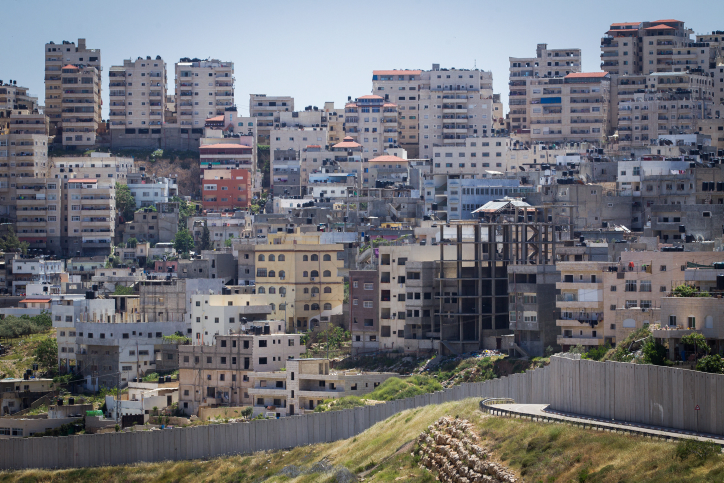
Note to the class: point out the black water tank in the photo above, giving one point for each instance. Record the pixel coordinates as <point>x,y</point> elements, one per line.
<point>604,224</point>
<point>160,380</point>
<point>90,295</point>
<point>60,401</point>
<point>168,378</point>
<point>682,229</point>
<point>720,282</point>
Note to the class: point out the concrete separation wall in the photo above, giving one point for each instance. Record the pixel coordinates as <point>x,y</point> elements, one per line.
<point>635,393</point>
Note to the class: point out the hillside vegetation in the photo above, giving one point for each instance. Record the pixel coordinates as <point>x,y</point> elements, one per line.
<point>536,452</point>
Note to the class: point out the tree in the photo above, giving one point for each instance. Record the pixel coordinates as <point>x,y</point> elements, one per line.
<point>227,242</point>
<point>183,242</point>
<point>46,354</point>
<point>698,341</point>
<point>654,353</point>
<point>185,210</point>
<point>688,291</point>
<point>125,202</point>
<point>206,237</point>
<point>132,242</point>
<point>247,411</point>
<point>11,243</point>
<point>713,364</point>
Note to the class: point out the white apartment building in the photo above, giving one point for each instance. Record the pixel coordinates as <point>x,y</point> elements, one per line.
<point>34,271</point>
<point>474,157</point>
<point>402,88</point>
<point>138,94</point>
<point>581,303</point>
<point>524,71</point>
<point>372,122</point>
<point>223,314</point>
<point>335,123</point>
<point>204,88</point>
<point>150,191</point>
<point>66,87</point>
<point>68,311</point>
<point>454,104</point>
<point>265,109</point>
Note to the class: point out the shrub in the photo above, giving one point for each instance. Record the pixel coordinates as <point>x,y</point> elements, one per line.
<point>713,364</point>
<point>699,450</point>
<point>396,388</point>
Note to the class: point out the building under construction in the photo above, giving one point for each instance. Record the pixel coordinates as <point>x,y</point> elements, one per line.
<point>471,281</point>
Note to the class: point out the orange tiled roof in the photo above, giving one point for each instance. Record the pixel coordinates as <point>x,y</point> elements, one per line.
<point>625,24</point>
<point>71,66</point>
<point>387,158</point>
<point>660,27</point>
<point>215,119</point>
<point>668,20</point>
<point>82,180</point>
<point>370,96</point>
<point>347,144</point>
<point>30,301</point>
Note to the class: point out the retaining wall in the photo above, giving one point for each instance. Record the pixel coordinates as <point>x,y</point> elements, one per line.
<point>635,393</point>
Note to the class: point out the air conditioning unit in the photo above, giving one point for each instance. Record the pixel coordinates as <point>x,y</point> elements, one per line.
<point>314,295</point>
<point>312,279</point>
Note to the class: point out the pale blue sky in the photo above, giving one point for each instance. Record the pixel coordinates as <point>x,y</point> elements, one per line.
<point>325,50</point>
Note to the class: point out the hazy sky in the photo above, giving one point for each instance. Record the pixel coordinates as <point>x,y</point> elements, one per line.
<point>325,50</point>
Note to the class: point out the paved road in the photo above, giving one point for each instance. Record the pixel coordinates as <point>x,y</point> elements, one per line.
<point>540,410</point>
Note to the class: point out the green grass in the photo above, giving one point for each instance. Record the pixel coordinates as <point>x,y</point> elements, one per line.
<point>21,353</point>
<point>346,402</point>
<point>535,452</point>
<point>396,388</point>
<point>153,376</point>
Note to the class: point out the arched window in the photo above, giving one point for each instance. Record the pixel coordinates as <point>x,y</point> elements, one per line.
<point>327,257</point>
<point>281,258</point>
<point>315,258</point>
<point>327,306</point>
<point>315,306</point>
<point>326,273</point>
<point>327,289</point>
<point>306,289</point>
<point>272,306</point>
<point>261,258</point>
<point>315,273</point>
<point>306,306</point>
<point>272,290</point>
<point>282,290</point>
<point>315,289</point>
<point>282,273</point>
<point>260,290</point>
<point>305,258</point>
<point>272,273</point>
<point>271,258</point>
<point>305,274</point>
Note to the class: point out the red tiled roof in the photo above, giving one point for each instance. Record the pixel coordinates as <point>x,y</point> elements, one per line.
<point>396,72</point>
<point>351,104</point>
<point>660,27</point>
<point>625,24</point>
<point>370,96</point>
<point>71,66</point>
<point>668,20</point>
<point>215,119</point>
<point>348,138</point>
<point>387,158</point>
<point>225,146</point>
<point>347,144</point>
<point>586,74</point>
<point>30,301</point>
<point>82,180</point>
<point>389,104</point>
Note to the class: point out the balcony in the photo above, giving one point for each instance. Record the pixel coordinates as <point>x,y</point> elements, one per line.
<point>580,340</point>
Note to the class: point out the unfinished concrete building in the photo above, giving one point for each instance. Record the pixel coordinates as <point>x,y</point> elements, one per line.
<point>472,305</point>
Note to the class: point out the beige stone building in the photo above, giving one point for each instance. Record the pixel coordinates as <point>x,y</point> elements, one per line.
<point>633,294</point>
<point>73,92</point>
<point>265,108</point>
<point>474,157</point>
<point>219,373</point>
<point>652,46</point>
<point>660,103</point>
<point>305,384</point>
<point>580,303</point>
<point>454,104</point>
<point>527,71</point>
<point>14,98</point>
<point>204,88</point>
<point>335,123</point>
<point>372,122</point>
<point>402,88</point>
<point>138,94</point>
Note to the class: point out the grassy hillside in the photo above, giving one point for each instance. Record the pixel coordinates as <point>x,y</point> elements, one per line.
<point>535,451</point>
<point>20,355</point>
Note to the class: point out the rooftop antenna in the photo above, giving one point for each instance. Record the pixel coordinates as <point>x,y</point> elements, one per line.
<point>475,63</point>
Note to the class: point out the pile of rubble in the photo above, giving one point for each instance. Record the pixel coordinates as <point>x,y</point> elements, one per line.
<point>450,448</point>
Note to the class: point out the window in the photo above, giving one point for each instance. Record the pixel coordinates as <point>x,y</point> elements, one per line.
<point>691,322</point>
<point>367,304</point>
<point>672,320</point>
<point>645,286</point>
<point>262,361</point>
<point>369,286</point>
<point>631,285</point>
